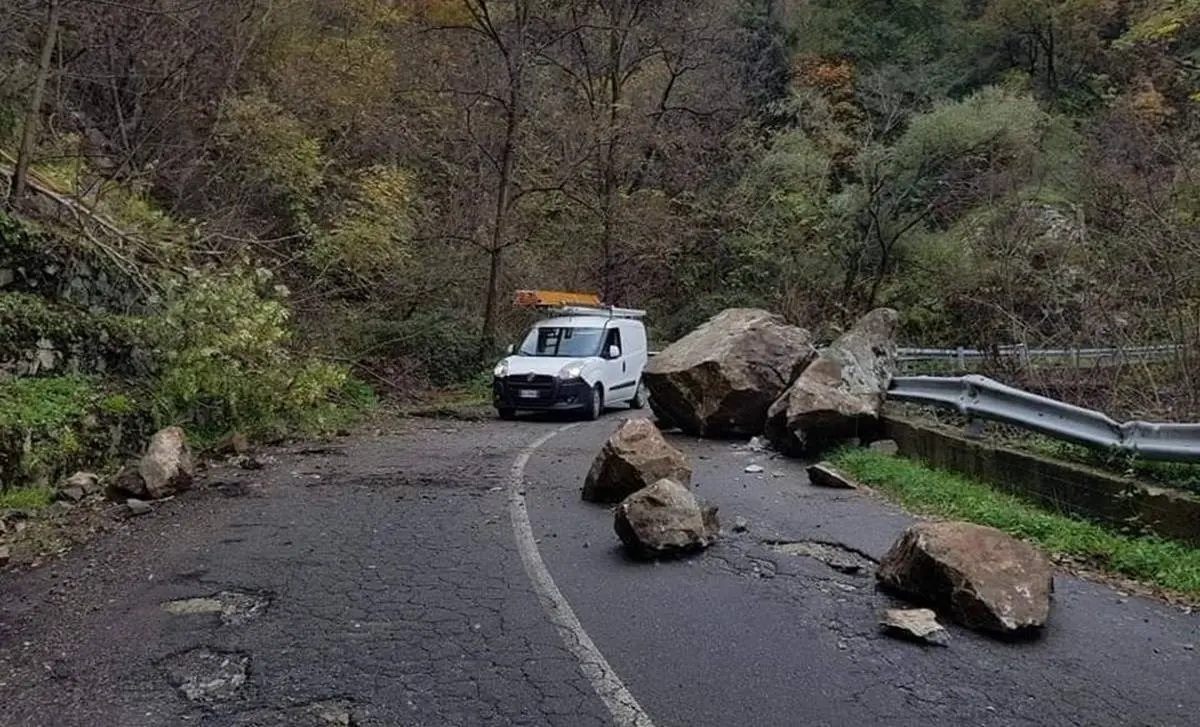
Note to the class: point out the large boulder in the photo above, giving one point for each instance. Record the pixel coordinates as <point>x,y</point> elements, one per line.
<point>166,468</point>
<point>983,578</point>
<point>840,391</point>
<point>720,379</point>
<point>635,456</point>
<point>664,520</point>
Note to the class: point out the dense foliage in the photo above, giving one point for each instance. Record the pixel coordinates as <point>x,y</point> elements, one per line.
<point>1002,171</point>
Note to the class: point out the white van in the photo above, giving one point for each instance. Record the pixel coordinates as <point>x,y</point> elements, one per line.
<point>585,358</point>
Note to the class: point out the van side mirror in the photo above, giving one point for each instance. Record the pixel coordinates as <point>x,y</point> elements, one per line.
<point>511,349</point>
<point>614,352</point>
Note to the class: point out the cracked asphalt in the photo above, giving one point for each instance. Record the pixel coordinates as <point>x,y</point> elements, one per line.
<point>380,583</point>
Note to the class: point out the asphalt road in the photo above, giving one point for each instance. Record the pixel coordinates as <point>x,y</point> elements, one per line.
<point>382,582</point>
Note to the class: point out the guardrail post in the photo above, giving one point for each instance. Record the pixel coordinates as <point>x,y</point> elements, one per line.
<point>961,357</point>
<point>974,428</point>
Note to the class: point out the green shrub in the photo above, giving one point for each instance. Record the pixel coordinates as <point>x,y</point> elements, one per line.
<point>225,365</point>
<point>1164,563</point>
<point>26,498</point>
<point>51,425</point>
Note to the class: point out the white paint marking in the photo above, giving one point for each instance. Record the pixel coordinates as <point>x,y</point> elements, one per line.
<point>625,710</point>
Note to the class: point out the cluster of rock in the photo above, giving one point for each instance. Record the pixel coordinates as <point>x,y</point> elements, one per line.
<point>166,468</point>
<point>656,514</point>
<point>747,372</point>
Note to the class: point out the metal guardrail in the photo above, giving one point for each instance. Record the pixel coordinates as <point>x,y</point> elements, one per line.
<point>1076,357</point>
<point>979,397</point>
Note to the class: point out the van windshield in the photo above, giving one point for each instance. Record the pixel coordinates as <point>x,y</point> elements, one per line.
<point>562,342</point>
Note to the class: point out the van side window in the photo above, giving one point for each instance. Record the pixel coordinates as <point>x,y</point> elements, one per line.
<point>613,339</point>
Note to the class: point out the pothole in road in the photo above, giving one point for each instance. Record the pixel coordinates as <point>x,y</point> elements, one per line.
<point>206,676</point>
<point>234,607</point>
<point>325,713</point>
<point>232,489</point>
<point>836,556</point>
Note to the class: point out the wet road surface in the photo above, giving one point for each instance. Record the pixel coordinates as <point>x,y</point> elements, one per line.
<point>379,582</point>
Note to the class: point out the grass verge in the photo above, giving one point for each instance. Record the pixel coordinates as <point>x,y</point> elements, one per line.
<point>1161,563</point>
<point>26,498</point>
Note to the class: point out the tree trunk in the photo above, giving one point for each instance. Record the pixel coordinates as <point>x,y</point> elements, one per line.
<point>29,133</point>
<point>608,162</point>
<point>504,184</point>
<point>488,342</point>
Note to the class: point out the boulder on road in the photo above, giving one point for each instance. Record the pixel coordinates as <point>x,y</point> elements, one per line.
<point>720,379</point>
<point>634,457</point>
<point>166,468</point>
<point>839,391</point>
<point>983,578</point>
<point>665,519</point>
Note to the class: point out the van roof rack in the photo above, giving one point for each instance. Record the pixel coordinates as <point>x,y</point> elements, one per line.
<point>572,304</point>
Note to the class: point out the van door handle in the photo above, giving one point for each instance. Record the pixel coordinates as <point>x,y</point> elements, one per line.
<point>622,367</point>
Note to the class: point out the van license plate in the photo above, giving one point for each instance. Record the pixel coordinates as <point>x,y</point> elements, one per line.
<point>528,393</point>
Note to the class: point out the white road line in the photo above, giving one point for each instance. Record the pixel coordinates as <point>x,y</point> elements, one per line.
<point>626,712</point>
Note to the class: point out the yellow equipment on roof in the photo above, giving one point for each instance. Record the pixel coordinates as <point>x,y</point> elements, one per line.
<point>554,299</point>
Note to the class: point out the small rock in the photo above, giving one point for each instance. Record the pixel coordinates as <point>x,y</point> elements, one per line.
<point>85,481</point>
<point>248,462</point>
<point>886,447</point>
<point>823,474</point>
<point>5,555</point>
<point>918,624</point>
<point>137,507</point>
<point>167,467</point>
<point>740,525</point>
<point>753,469</point>
<point>235,443</point>
<point>71,494</point>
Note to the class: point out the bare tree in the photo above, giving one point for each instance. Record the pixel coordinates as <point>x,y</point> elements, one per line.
<point>33,113</point>
<point>651,77</point>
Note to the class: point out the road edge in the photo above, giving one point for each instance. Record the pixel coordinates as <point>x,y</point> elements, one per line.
<point>625,710</point>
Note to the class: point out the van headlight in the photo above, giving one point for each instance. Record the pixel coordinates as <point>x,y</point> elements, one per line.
<point>574,371</point>
<point>501,370</point>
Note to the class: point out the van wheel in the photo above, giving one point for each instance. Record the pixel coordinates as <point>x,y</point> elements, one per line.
<point>596,405</point>
<point>639,397</point>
